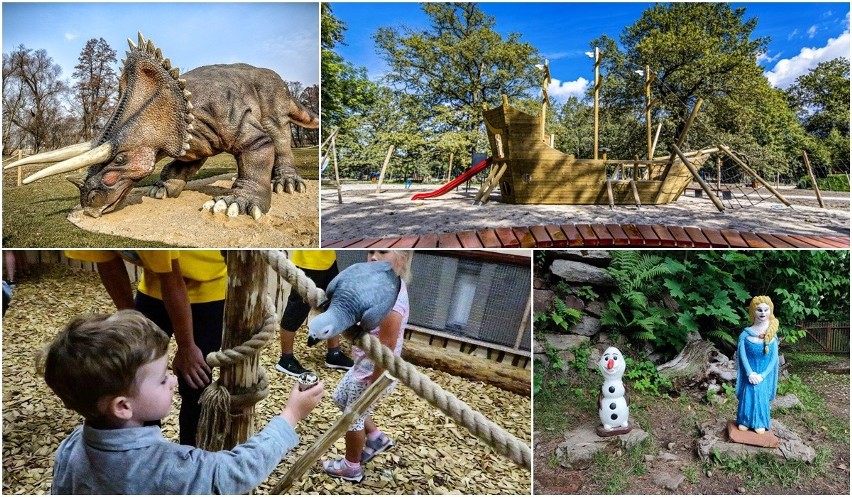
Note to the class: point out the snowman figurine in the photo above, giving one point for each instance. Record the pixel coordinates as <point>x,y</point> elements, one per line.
<point>612,401</point>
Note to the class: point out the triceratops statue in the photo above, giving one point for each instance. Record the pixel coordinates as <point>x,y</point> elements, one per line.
<point>235,108</point>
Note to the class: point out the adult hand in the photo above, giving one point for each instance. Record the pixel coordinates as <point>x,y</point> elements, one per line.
<point>755,378</point>
<point>190,364</point>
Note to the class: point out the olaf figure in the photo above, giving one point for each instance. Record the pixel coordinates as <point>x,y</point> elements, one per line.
<point>612,401</point>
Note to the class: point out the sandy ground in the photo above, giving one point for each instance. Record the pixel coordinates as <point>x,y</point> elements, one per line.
<point>366,214</point>
<point>291,222</point>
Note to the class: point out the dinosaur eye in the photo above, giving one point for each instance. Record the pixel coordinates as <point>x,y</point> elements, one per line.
<point>119,159</point>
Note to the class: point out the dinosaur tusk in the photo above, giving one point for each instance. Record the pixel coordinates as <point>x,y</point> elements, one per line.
<point>94,156</point>
<point>54,155</point>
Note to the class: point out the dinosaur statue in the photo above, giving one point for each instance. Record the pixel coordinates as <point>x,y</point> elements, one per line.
<point>235,108</point>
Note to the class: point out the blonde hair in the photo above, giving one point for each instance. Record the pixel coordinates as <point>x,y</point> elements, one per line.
<point>97,356</point>
<point>772,330</point>
<point>401,262</point>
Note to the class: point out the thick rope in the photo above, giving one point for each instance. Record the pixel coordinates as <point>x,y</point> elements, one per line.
<point>487,431</point>
<point>218,405</point>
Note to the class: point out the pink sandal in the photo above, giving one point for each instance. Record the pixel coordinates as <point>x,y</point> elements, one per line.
<point>375,447</point>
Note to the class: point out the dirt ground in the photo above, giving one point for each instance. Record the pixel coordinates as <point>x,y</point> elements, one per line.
<point>292,221</point>
<point>671,424</point>
<point>432,454</point>
<point>366,214</point>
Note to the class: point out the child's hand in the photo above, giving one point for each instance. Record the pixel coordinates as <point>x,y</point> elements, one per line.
<point>301,403</point>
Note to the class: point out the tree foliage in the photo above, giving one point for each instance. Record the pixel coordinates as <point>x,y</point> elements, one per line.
<point>95,87</point>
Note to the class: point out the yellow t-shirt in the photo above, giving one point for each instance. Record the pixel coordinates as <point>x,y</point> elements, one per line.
<point>204,271</point>
<point>313,259</point>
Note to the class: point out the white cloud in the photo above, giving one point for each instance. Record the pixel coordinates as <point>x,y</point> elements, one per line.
<point>786,71</point>
<point>70,36</point>
<point>793,34</point>
<point>558,89</point>
<point>812,31</point>
<point>765,58</point>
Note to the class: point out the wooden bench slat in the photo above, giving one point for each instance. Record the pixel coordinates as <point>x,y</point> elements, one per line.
<point>836,242</point>
<point>385,242</point>
<point>774,241</point>
<point>715,237</point>
<point>634,236</point>
<point>542,239</point>
<point>587,234</point>
<point>680,236</point>
<point>407,242</point>
<point>448,240</point>
<point>619,237</point>
<point>556,235</point>
<point>337,243</point>
<point>666,238</point>
<point>469,239</point>
<point>650,236</point>
<point>734,239</point>
<point>524,236</point>
<point>815,241</point>
<point>507,238</point>
<point>698,238</point>
<point>575,239</point>
<point>754,241</point>
<point>427,241</point>
<point>795,242</point>
<point>489,238</point>
<point>604,237</point>
<point>364,243</point>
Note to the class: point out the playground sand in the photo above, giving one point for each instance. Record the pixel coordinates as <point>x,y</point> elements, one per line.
<point>292,220</point>
<point>367,214</point>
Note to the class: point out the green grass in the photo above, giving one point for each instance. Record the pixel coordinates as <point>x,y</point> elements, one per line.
<point>764,470</point>
<point>613,474</point>
<point>34,215</point>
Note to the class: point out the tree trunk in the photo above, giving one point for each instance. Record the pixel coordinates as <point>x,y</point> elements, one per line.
<point>509,378</point>
<point>244,315</point>
<point>698,361</point>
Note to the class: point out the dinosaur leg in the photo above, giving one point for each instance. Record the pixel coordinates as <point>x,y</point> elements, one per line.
<point>251,193</point>
<point>285,177</point>
<point>174,177</point>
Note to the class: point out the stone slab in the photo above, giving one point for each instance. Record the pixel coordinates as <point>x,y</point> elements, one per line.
<point>582,443</point>
<point>750,437</point>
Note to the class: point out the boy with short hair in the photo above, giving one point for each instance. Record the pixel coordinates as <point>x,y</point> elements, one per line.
<point>113,370</point>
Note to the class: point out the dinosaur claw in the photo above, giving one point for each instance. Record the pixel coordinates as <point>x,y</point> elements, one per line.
<point>301,187</point>
<point>208,205</point>
<point>256,213</point>
<point>220,206</point>
<point>233,210</point>
<point>279,188</point>
<point>288,187</point>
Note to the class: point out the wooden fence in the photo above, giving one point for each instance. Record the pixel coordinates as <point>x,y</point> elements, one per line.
<point>831,336</point>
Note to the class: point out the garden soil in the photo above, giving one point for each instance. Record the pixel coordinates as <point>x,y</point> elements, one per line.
<point>367,214</point>
<point>292,221</point>
<point>432,454</point>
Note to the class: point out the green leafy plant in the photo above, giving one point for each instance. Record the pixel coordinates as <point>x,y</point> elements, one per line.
<point>563,316</point>
<point>587,293</point>
<point>643,373</point>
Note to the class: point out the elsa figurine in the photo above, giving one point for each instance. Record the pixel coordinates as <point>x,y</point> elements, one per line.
<point>757,366</point>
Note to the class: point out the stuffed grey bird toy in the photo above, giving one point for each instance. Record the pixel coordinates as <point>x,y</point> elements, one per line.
<point>362,293</point>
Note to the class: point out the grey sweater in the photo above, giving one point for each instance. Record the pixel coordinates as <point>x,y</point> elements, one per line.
<point>141,461</point>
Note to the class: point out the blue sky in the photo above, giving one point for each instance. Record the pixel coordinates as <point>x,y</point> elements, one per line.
<point>802,34</point>
<point>280,36</point>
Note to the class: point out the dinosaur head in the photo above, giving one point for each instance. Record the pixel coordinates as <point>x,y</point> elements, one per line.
<point>152,120</point>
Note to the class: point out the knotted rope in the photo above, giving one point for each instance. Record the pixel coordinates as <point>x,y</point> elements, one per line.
<point>496,437</point>
<point>217,403</point>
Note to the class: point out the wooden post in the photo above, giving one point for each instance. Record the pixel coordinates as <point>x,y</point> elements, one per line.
<point>648,110</point>
<point>704,185</point>
<point>336,171</point>
<point>813,179</point>
<point>656,138</point>
<point>384,168</point>
<point>328,438</point>
<point>482,197</point>
<point>596,106</point>
<point>680,140</point>
<point>450,168</point>
<point>244,315</point>
<point>20,169</point>
<point>751,171</point>
<point>718,173</point>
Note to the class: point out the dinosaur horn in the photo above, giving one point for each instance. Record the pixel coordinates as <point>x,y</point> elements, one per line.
<point>94,156</point>
<point>54,155</point>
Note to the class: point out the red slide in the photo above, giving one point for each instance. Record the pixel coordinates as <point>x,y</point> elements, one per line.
<point>461,178</point>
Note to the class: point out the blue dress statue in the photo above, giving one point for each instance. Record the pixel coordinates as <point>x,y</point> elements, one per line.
<point>757,367</point>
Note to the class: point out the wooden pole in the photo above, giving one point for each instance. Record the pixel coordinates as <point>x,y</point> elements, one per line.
<point>337,430</point>
<point>648,110</point>
<point>481,199</point>
<point>336,171</point>
<point>680,140</point>
<point>244,315</point>
<point>751,171</point>
<point>384,168</point>
<point>656,138</point>
<point>596,106</point>
<point>20,169</point>
<point>813,179</point>
<point>450,168</point>
<point>718,173</point>
<point>704,185</point>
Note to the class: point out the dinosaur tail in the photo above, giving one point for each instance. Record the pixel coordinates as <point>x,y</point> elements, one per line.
<point>302,115</point>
